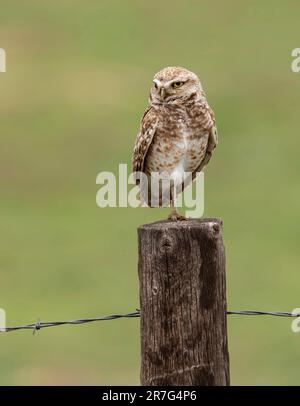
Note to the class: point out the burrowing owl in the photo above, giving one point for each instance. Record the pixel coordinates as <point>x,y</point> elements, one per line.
<point>178,131</point>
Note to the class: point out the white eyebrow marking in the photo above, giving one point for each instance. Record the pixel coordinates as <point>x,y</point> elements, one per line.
<point>157,82</point>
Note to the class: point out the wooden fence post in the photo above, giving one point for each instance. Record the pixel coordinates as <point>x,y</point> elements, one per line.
<point>183,303</point>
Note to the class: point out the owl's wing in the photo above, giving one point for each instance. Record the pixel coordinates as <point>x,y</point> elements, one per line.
<point>209,123</point>
<point>143,140</point>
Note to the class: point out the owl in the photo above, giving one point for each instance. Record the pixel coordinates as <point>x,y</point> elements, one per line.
<point>176,139</point>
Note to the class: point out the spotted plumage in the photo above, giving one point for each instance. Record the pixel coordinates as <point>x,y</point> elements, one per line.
<point>178,131</point>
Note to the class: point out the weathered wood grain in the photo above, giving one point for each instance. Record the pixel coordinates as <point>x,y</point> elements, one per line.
<point>183,303</point>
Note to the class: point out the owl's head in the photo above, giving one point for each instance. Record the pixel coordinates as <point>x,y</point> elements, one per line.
<point>175,84</point>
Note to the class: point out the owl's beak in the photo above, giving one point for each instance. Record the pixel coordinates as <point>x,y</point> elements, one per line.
<point>162,94</point>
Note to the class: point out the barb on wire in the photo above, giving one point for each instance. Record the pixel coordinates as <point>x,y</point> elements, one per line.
<point>43,324</point>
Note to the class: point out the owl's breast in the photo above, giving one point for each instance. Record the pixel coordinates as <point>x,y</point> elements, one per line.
<point>178,146</point>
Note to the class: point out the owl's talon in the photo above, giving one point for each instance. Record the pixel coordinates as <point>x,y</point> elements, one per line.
<point>175,216</point>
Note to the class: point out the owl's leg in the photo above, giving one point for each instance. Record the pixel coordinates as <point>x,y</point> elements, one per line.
<point>174,215</point>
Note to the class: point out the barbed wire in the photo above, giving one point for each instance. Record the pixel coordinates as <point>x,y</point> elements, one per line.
<point>43,324</point>
<point>259,313</point>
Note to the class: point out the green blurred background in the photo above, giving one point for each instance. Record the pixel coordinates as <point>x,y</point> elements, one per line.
<point>77,82</point>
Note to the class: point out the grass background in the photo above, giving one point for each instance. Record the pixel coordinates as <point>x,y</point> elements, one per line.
<point>77,82</point>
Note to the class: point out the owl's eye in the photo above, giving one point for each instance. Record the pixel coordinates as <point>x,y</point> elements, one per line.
<point>177,84</point>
